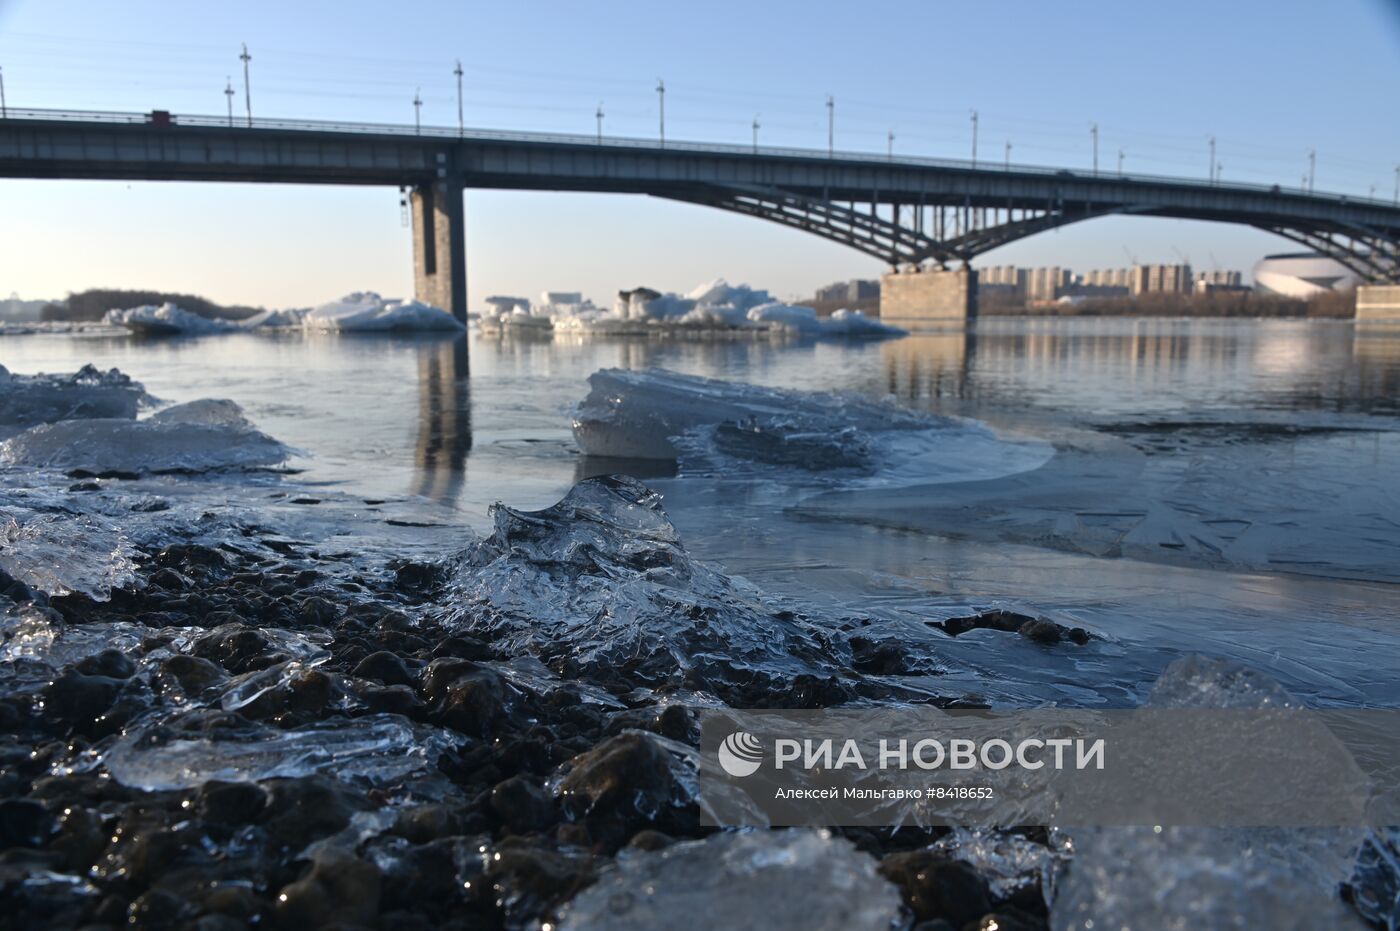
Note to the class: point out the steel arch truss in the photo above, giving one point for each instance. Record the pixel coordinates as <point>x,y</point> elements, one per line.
<point>899,233</point>
<point>1372,254</point>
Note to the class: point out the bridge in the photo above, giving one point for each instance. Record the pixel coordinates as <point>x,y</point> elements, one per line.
<point>916,214</point>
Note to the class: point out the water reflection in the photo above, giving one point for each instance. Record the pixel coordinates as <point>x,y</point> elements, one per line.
<point>444,420</point>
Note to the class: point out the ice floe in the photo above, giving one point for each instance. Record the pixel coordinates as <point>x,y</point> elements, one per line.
<point>725,428</point>
<point>195,437</point>
<point>367,312</point>
<point>167,320</point>
<point>29,400</point>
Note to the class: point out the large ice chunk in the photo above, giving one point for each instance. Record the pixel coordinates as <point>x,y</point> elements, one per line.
<point>600,582</point>
<point>188,751</point>
<point>62,553</point>
<point>195,437</point>
<point>367,312</point>
<point>167,320</point>
<point>28,400</point>
<point>636,415</point>
<point>778,880</point>
<point>1200,877</point>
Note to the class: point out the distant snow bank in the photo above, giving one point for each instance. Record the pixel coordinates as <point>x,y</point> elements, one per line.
<point>360,312</point>
<point>716,305</point>
<point>367,312</point>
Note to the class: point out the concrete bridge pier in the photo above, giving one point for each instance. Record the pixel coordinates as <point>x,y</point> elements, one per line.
<point>1378,306</point>
<point>440,246</point>
<point>929,297</point>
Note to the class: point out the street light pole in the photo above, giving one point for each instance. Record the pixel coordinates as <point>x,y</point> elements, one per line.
<point>661,94</point>
<point>830,126</point>
<point>417,111</point>
<point>599,115</point>
<point>1212,159</point>
<point>228,92</point>
<point>1397,185</point>
<point>1094,131</point>
<point>974,138</point>
<point>891,151</point>
<point>755,144</point>
<point>247,84</point>
<point>1120,163</point>
<point>1008,155</point>
<point>461,123</point>
<point>1312,171</point>
<point>5,110</point>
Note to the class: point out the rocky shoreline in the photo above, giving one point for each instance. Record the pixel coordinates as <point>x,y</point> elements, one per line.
<point>534,789</point>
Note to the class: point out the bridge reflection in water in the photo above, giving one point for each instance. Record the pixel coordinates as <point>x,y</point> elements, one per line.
<point>444,420</point>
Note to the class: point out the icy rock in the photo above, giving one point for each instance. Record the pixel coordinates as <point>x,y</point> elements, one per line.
<point>62,553</point>
<point>167,320</point>
<point>378,749</point>
<point>601,579</point>
<point>1009,862</point>
<point>367,312</point>
<point>1374,886</point>
<point>28,400</point>
<point>197,437</point>
<point>778,880</point>
<point>1180,878</point>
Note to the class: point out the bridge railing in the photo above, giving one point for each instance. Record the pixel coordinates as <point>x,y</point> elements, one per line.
<point>400,131</point>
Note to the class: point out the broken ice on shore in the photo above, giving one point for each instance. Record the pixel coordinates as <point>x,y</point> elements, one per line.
<point>167,320</point>
<point>724,428</point>
<point>715,306</point>
<point>741,881</point>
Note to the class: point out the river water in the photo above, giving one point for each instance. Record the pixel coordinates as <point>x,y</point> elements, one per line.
<point>1225,487</point>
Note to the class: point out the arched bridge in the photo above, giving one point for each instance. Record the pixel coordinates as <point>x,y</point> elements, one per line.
<point>904,211</point>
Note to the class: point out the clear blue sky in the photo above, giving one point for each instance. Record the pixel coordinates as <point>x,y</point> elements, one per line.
<point>1271,79</point>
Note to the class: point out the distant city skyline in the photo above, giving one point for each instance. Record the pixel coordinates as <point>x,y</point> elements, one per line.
<point>1052,81</point>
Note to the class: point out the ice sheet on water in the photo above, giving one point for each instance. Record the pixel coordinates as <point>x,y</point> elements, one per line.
<point>65,552</point>
<point>1374,886</point>
<point>192,749</point>
<point>38,635</point>
<point>197,437</point>
<point>723,428</point>
<point>167,320</point>
<point>28,400</point>
<point>779,880</point>
<point>1180,878</point>
<point>367,312</point>
<point>601,579</point>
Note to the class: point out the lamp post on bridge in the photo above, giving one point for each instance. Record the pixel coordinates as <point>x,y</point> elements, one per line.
<point>830,126</point>
<point>1397,185</point>
<point>247,84</point>
<point>1008,155</point>
<point>599,115</point>
<point>1312,170</point>
<point>461,123</point>
<point>974,138</point>
<point>661,95</point>
<point>1094,132</point>
<point>891,145</point>
<point>1120,163</point>
<point>417,112</point>
<point>755,142</point>
<point>5,110</point>
<point>1212,159</point>
<point>228,92</point>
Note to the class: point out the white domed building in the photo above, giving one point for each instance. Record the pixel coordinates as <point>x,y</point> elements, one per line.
<point>1302,274</point>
